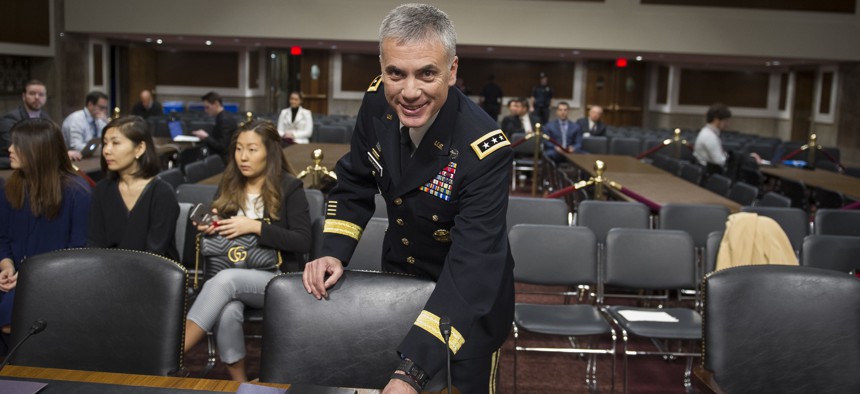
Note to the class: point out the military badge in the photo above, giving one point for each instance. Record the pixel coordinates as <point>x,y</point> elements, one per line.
<point>489,143</point>
<point>441,185</point>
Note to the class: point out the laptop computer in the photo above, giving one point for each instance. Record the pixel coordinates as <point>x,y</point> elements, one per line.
<point>177,133</point>
<point>91,148</point>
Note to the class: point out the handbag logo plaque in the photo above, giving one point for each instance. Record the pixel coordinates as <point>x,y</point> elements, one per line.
<point>237,254</point>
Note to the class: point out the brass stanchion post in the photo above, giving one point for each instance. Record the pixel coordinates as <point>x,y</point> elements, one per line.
<point>536,172</point>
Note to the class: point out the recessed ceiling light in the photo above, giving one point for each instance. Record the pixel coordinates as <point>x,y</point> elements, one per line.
<point>208,42</point>
<point>159,41</point>
<point>148,39</point>
<point>638,58</point>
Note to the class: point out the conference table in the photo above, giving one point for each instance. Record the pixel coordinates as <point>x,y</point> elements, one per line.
<point>648,181</point>
<point>90,382</point>
<point>300,157</point>
<point>847,185</point>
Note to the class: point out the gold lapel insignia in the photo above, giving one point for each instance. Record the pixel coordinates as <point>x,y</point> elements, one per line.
<point>375,84</point>
<point>438,145</point>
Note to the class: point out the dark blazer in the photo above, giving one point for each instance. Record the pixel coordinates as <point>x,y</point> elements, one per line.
<point>512,124</point>
<point>446,213</point>
<point>9,120</point>
<point>572,137</point>
<point>155,110</point>
<point>600,128</point>
<point>219,138</point>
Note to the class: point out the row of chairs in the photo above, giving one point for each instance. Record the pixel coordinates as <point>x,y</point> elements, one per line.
<point>194,171</point>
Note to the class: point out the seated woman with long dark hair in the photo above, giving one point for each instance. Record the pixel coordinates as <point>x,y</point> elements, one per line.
<point>132,209</point>
<point>44,203</point>
<point>258,183</point>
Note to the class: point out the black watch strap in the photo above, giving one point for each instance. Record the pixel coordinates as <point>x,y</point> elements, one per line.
<point>414,372</point>
<point>407,379</point>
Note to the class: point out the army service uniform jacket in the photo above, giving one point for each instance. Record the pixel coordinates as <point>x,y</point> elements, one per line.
<point>446,215</point>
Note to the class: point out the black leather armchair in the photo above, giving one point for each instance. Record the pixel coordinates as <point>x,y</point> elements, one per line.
<point>348,340</point>
<point>780,329</point>
<point>107,310</point>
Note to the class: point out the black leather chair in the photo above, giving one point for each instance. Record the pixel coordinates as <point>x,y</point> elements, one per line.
<point>780,329</point>
<point>196,172</point>
<point>774,200</point>
<point>834,252</point>
<point>107,310</point>
<point>837,222</point>
<point>347,340</point>
<point>531,210</point>
<point>368,253</point>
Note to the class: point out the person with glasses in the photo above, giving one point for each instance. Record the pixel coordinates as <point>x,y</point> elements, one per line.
<point>85,124</point>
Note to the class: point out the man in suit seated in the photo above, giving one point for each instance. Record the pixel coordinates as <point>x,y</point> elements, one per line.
<point>147,106</point>
<point>591,124</point>
<point>520,119</point>
<point>565,132</point>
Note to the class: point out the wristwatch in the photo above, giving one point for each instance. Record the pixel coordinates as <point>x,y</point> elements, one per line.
<point>414,372</point>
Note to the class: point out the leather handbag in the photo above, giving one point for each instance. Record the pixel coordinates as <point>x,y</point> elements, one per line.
<point>243,251</point>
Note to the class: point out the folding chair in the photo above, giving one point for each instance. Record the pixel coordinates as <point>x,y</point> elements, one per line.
<point>559,256</point>
<point>653,260</point>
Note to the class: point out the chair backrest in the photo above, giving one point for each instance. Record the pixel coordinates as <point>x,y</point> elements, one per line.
<point>743,193</point>
<point>595,144</point>
<point>837,222</point>
<point>805,318</point>
<point>368,252</point>
<point>601,216</point>
<point>553,255</point>
<point>173,176</point>
<point>650,259</point>
<point>536,210</point>
<point>316,201</point>
<point>827,199</point>
<point>698,220</point>
<point>718,184</point>
<point>343,353</point>
<point>190,155</point>
<point>184,231</point>
<point>794,190</point>
<point>775,200</point>
<point>332,134</point>
<point>214,164</point>
<point>834,252</point>
<point>524,149</point>
<point>692,172</point>
<point>793,221</point>
<point>625,146</point>
<point>107,310</point>
<point>196,194</point>
<point>712,248</point>
<point>752,176</point>
<point>196,172</point>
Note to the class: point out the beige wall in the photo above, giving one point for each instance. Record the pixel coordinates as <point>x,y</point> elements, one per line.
<point>611,25</point>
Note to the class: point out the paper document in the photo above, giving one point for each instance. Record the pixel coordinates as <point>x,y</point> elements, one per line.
<point>186,138</point>
<point>657,316</point>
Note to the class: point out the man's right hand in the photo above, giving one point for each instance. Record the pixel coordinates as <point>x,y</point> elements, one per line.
<point>314,275</point>
<point>75,155</point>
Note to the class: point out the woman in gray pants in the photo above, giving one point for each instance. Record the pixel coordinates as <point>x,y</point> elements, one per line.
<point>258,183</point>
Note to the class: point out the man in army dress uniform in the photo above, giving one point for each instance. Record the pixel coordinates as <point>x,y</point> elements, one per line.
<point>442,166</point>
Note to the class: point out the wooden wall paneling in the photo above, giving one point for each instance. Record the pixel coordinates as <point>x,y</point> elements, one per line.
<point>620,91</point>
<point>783,91</point>
<point>804,97</point>
<point>662,84</point>
<point>517,77</point>
<point>142,65</point>
<point>315,80</point>
<point>826,90</point>
<point>26,22</point>
<point>198,68</point>
<point>840,6</point>
<point>747,89</point>
<point>358,70</point>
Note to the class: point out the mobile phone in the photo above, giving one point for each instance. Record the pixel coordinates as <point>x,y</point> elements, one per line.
<point>202,214</point>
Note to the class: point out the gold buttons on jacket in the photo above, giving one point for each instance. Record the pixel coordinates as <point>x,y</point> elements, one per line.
<point>410,260</point>
<point>399,222</point>
<point>435,218</point>
<point>405,242</point>
<point>398,201</point>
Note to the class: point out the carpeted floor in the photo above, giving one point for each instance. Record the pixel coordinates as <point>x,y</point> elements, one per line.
<point>543,373</point>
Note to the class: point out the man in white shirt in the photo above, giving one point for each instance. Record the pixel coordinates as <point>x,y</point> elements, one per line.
<point>85,124</point>
<point>708,149</point>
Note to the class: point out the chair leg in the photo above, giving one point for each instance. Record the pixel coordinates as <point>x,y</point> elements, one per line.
<point>516,344</point>
<point>210,361</point>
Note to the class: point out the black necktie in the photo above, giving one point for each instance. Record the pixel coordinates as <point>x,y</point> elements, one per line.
<point>405,148</point>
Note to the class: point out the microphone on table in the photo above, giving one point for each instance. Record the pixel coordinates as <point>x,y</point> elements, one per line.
<point>37,327</point>
<point>445,328</point>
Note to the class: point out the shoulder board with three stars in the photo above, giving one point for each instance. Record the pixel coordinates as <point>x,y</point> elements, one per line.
<point>375,84</point>
<point>489,143</point>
